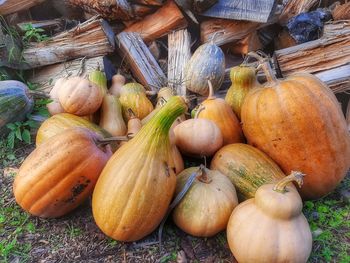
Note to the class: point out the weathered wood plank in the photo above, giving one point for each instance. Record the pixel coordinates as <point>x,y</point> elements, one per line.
<point>162,22</point>
<point>328,52</point>
<point>179,53</point>
<point>13,6</point>
<point>225,30</point>
<point>47,76</point>
<point>338,79</point>
<point>149,2</point>
<point>251,10</point>
<point>143,65</point>
<point>341,12</point>
<point>89,39</point>
<point>295,7</point>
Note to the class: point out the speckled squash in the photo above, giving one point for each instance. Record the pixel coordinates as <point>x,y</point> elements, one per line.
<point>60,173</point>
<point>247,167</point>
<point>299,123</point>
<point>206,208</point>
<point>207,62</point>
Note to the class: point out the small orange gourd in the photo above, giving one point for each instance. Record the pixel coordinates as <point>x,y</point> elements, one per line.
<point>55,106</point>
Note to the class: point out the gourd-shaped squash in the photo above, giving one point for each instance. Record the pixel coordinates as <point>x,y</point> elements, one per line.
<point>206,208</point>
<point>79,96</point>
<point>118,81</point>
<point>198,137</point>
<point>133,96</point>
<point>55,106</point>
<point>298,122</point>
<point>112,116</point>
<point>60,173</point>
<point>135,188</point>
<point>15,103</point>
<point>218,111</point>
<point>281,231</point>
<point>208,61</point>
<point>63,121</point>
<point>243,79</point>
<point>247,167</point>
<point>98,78</point>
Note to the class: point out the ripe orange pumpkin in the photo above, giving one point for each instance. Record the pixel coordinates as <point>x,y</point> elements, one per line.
<point>60,173</point>
<point>298,122</point>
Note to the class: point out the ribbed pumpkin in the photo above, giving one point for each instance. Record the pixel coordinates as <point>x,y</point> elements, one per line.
<point>247,167</point>
<point>15,103</point>
<point>207,62</point>
<point>271,227</point>
<point>55,106</point>
<point>243,79</point>
<point>60,122</point>
<point>79,96</point>
<point>60,173</point>
<point>298,122</point>
<point>135,188</point>
<point>133,96</point>
<point>218,111</point>
<point>206,208</point>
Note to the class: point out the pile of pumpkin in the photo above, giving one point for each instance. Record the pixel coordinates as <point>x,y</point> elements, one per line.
<point>293,126</point>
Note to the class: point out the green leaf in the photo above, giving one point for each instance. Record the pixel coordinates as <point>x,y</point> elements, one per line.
<point>11,140</point>
<point>26,136</point>
<point>11,126</point>
<point>18,133</point>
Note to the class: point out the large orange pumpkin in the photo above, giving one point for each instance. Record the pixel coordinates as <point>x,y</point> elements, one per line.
<point>60,173</point>
<point>298,122</point>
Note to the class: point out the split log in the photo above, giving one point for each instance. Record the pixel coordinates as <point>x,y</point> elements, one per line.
<point>251,10</point>
<point>200,6</point>
<point>341,12</point>
<point>230,30</point>
<point>162,22</point>
<point>149,2</point>
<point>338,79</point>
<point>89,39</point>
<point>108,9</point>
<point>13,6</point>
<point>328,52</point>
<point>142,10</point>
<point>348,115</point>
<point>142,63</point>
<point>247,44</point>
<point>295,7</point>
<point>179,53</point>
<point>46,77</point>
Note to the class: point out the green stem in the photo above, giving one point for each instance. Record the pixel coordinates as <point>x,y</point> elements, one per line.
<point>265,65</point>
<point>293,177</point>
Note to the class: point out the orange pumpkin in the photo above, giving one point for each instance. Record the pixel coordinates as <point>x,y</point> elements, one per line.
<point>60,173</point>
<point>298,122</point>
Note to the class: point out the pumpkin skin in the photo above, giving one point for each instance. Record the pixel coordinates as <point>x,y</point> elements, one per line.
<point>247,167</point>
<point>281,231</point>
<point>299,124</point>
<point>60,122</point>
<point>218,111</point>
<point>207,61</point>
<point>118,82</point>
<point>55,107</point>
<point>15,103</point>
<point>243,79</point>
<point>58,175</point>
<point>192,137</point>
<point>98,78</point>
<point>79,96</point>
<point>135,188</point>
<point>206,208</point>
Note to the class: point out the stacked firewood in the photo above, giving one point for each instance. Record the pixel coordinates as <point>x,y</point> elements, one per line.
<point>152,40</point>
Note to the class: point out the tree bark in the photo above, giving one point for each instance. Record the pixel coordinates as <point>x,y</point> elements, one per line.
<point>13,6</point>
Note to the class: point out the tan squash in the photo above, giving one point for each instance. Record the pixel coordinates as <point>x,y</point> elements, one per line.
<point>79,96</point>
<point>118,81</point>
<point>271,227</point>
<point>206,208</point>
<point>298,122</point>
<point>218,111</point>
<point>60,173</point>
<point>135,188</point>
<point>111,116</point>
<point>55,106</point>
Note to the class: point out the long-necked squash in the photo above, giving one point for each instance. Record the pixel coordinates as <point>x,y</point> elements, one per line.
<point>60,173</point>
<point>135,188</point>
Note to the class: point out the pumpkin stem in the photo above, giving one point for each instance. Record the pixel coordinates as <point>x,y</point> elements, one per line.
<point>265,65</point>
<point>199,110</point>
<point>211,91</point>
<point>150,92</point>
<point>202,175</point>
<point>294,176</point>
<point>114,139</point>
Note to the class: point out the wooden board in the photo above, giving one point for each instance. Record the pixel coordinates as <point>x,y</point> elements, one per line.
<point>13,6</point>
<point>295,7</point>
<point>338,79</point>
<point>251,10</point>
<point>47,76</point>
<point>143,65</point>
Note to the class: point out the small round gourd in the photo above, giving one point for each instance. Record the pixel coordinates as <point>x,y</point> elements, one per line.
<point>207,62</point>
<point>206,208</point>
<point>55,106</point>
